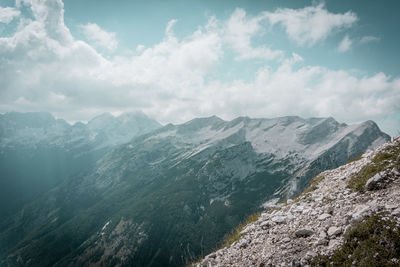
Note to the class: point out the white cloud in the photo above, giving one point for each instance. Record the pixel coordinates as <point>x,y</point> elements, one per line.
<point>238,32</point>
<point>140,48</point>
<point>43,67</point>
<point>369,39</point>
<point>168,30</point>
<point>309,25</point>
<point>345,44</point>
<point>100,37</point>
<point>7,14</point>
<point>311,91</point>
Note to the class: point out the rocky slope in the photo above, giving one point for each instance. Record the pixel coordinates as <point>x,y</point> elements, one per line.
<point>168,196</point>
<point>293,233</point>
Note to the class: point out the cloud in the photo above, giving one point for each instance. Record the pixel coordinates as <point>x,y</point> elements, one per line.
<point>140,48</point>
<point>345,44</point>
<point>309,25</point>
<point>99,37</point>
<point>315,91</point>
<point>7,14</point>
<point>238,32</point>
<point>169,29</point>
<point>311,91</point>
<point>369,39</point>
<point>43,67</point>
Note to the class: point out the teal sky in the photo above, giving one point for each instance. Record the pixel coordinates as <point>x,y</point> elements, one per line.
<point>143,22</point>
<point>232,58</point>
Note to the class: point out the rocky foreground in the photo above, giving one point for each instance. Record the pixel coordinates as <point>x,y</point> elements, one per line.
<point>293,233</point>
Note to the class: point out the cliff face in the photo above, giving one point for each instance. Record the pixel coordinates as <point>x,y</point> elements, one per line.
<point>319,221</point>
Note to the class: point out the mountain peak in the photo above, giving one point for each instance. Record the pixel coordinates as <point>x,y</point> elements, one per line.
<point>28,119</point>
<point>199,123</point>
<point>134,114</point>
<point>137,117</point>
<point>209,119</point>
<point>102,117</point>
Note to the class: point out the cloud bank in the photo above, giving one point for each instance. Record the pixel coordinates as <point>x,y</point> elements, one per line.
<point>309,25</point>
<point>44,67</point>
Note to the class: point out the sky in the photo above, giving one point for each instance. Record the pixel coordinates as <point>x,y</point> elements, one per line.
<point>177,60</point>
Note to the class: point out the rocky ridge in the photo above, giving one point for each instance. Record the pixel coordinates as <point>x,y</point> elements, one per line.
<point>293,233</point>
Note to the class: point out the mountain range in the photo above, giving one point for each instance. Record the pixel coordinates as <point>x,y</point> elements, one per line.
<point>146,195</point>
<point>38,151</point>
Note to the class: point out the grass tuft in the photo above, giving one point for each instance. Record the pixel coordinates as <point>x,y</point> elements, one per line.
<point>380,162</point>
<point>372,242</point>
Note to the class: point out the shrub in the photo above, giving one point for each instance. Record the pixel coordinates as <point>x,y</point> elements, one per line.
<point>372,242</point>
<point>380,162</point>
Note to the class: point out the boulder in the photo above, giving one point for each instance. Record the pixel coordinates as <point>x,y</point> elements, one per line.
<point>265,225</point>
<point>279,219</point>
<point>243,243</point>
<point>334,231</point>
<point>324,216</point>
<point>329,210</point>
<point>322,242</point>
<point>310,255</point>
<point>360,212</point>
<point>391,206</point>
<point>212,255</point>
<point>334,244</point>
<point>375,181</point>
<point>323,234</point>
<point>396,212</point>
<point>304,232</point>
<point>296,263</point>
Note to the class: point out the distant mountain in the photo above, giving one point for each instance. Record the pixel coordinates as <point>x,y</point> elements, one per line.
<point>119,130</point>
<point>37,151</point>
<point>172,194</point>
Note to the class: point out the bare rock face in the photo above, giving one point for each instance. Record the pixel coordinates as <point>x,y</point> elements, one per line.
<point>318,219</point>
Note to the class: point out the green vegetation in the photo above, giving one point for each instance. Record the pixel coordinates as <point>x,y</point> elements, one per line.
<point>235,234</point>
<point>380,162</point>
<point>372,242</point>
